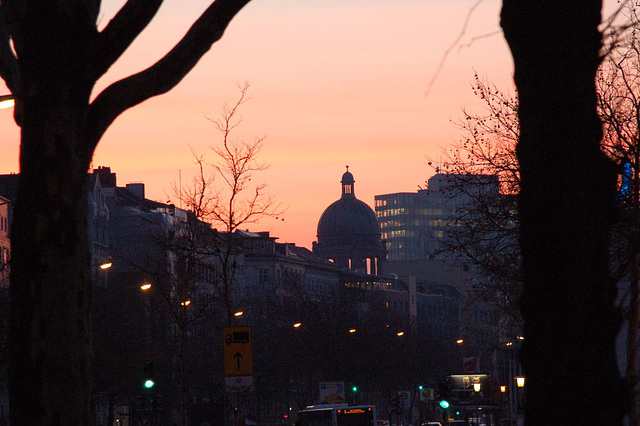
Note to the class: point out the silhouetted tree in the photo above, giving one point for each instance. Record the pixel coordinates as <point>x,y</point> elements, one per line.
<point>51,55</point>
<point>618,83</point>
<point>485,170</point>
<point>223,194</point>
<point>489,234</point>
<point>567,210</point>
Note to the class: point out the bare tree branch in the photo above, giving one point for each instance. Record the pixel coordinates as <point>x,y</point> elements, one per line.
<point>118,35</point>
<point>164,74</point>
<point>9,70</point>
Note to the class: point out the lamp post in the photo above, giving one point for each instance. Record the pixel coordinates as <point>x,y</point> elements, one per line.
<point>520,382</point>
<point>146,288</point>
<point>514,369</point>
<point>97,276</point>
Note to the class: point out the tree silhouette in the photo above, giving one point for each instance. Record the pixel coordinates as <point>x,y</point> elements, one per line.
<point>567,209</point>
<point>489,147</point>
<point>225,196</point>
<point>51,55</point>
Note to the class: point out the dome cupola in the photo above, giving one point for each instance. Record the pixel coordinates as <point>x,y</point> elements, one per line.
<point>349,232</point>
<point>347,185</point>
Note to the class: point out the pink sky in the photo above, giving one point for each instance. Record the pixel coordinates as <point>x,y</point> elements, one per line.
<point>333,83</point>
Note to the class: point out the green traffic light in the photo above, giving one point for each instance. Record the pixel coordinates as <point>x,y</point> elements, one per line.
<point>148,375</point>
<point>354,389</point>
<point>444,404</point>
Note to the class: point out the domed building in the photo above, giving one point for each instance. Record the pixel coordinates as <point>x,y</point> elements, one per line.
<point>349,233</point>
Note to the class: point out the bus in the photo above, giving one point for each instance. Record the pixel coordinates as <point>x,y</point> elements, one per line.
<point>337,415</point>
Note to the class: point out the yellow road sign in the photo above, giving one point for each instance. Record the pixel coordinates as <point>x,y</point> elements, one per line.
<point>237,352</point>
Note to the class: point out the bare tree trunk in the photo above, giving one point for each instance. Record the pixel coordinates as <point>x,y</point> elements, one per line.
<point>183,380</point>
<point>49,375</point>
<point>51,55</point>
<point>50,290</point>
<point>567,205</point>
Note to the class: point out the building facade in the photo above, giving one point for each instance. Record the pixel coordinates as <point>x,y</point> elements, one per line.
<point>415,223</point>
<point>416,226</point>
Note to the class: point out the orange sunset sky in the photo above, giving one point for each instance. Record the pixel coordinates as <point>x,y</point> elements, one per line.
<point>333,83</point>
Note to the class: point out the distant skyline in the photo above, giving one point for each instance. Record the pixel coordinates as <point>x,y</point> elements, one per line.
<point>333,83</point>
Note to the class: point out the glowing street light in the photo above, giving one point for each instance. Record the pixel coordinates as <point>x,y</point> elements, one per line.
<point>519,381</point>
<point>145,286</point>
<point>400,333</point>
<point>7,101</point>
<point>297,325</point>
<point>105,265</point>
<point>353,330</point>
<point>186,303</point>
<point>238,314</point>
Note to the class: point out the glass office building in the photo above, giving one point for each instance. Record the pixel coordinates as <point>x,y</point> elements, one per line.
<point>414,223</point>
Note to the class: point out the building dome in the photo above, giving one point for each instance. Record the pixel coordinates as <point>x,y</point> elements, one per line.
<point>348,231</point>
<point>348,217</point>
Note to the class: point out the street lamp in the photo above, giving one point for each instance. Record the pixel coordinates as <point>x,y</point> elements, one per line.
<point>7,101</point>
<point>145,287</point>
<point>520,397</point>
<point>104,265</point>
